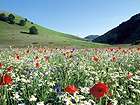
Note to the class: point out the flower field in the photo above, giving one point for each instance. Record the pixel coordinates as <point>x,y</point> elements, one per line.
<point>44,76</point>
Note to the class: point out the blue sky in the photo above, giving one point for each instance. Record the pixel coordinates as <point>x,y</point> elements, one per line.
<point>77,17</point>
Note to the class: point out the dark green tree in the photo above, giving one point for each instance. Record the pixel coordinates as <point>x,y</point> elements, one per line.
<point>26,19</point>
<point>3,17</point>
<point>32,23</point>
<point>33,30</point>
<point>11,19</point>
<point>22,22</point>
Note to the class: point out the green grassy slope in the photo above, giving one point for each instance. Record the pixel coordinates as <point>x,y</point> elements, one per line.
<point>11,35</point>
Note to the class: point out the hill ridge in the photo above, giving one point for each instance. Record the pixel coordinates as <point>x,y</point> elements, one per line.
<point>126,33</point>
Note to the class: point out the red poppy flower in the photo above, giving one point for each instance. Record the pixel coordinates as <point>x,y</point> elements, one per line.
<point>71,89</point>
<point>6,80</point>
<point>111,49</point>
<point>36,57</point>
<point>17,57</point>
<point>99,90</point>
<point>114,59</point>
<point>10,68</point>
<point>37,65</point>
<point>44,50</point>
<point>95,58</point>
<point>138,49</point>
<point>124,51</point>
<point>129,75</point>
<point>46,59</point>
<point>119,48</point>
<point>1,65</point>
<point>27,51</point>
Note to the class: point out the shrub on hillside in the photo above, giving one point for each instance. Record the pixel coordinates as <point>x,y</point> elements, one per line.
<point>32,23</point>
<point>11,19</point>
<point>26,19</point>
<point>22,22</point>
<point>3,17</point>
<point>33,30</point>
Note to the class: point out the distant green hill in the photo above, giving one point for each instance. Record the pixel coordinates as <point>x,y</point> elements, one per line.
<point>13,35</point>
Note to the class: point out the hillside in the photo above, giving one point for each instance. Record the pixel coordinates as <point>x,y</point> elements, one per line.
<point>91,37</point>
<point>126,33</point>
<point>15,35</point>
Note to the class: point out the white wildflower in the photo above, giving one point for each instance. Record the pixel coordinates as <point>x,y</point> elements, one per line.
<point>17,78</point>
<point>23,80</point>
<point>134,96</point>
<point>32,98</point>
<point>39,84</point>
<point>136,90</point>
<point>131,87</point>
<point>16,95</point>
<point>115,102</point>
<point>68,101</point>
<point>40,103</point>
<point>51,83</point>
<point>87,103</point>
<point>81,97</point>
<point>85,90</point>
<point>124,92</point>
<point>130,102</point>
<point>91,101</point>
<point>22,104</point>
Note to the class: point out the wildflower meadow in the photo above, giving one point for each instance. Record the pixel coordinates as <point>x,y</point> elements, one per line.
<point>45,76</point>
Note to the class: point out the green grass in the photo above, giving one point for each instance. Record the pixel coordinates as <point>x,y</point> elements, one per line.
<point>10,35</point>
